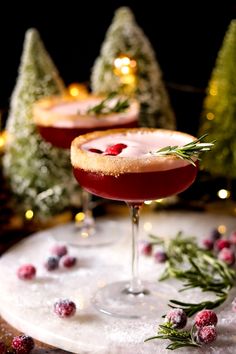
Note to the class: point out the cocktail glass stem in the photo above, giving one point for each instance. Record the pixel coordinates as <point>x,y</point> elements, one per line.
<point>135,286</point>
<point>86,201</point>
<point>88,231</point>
<point>87,225</point>
<point>136,299</point>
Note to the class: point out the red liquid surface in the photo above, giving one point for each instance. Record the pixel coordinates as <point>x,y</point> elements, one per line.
<point>62,137</point>
<point>137,187</point>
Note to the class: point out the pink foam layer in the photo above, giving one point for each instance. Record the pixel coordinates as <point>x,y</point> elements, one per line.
<point>139,143</point>
<point>74,114</point>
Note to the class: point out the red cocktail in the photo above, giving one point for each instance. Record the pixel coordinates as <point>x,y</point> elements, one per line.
<point>61,119</point>
<point>134,174</point>
<point>137,187</point>
<point>124,165</point>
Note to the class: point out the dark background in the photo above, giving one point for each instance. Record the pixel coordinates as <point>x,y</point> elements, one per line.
<point>186,36</point>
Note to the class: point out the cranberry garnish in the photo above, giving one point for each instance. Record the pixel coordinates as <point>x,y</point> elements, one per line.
<point>97,151</point>
<point>115,149</point>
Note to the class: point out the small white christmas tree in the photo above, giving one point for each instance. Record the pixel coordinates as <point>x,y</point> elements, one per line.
<point>39,174</point>
<point>125,37</point>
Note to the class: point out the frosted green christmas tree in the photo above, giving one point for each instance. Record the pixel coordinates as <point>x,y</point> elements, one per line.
<point>219,113</point>
<point>39,174</point>
<point>124,37</point>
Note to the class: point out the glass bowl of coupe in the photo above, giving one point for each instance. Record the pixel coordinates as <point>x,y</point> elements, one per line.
<point>60,119</point>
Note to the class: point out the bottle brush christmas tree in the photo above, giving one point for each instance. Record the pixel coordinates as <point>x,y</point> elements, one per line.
<point>126,41</point>
<point>219,110</point>
<point>39,174</point>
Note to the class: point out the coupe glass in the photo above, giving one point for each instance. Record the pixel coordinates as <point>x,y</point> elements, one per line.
<point>133,175</point>
<point>61,119</point>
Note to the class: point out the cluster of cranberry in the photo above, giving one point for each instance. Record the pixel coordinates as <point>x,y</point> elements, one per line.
<point>146,249</point>
<point>59,257</point>
<point>20,344</point>
<point>205,324</point>
<point>222,246</point>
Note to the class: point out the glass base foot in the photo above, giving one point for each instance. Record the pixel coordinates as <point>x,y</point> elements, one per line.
<point>102,233</point>
<point>86,228</point>
<point>116,300</point>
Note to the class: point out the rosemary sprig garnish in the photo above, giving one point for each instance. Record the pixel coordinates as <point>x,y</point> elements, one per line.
<point>178,338</point>
<point>189,152</point>
<point>196,268</point>
<point>103,107</point>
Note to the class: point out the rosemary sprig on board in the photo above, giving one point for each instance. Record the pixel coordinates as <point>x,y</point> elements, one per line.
<point>178,338</point>
<point>195,268</point>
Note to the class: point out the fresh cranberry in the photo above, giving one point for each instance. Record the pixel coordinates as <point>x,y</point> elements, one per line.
<point>160,257</point>
<point>96,151</point>
<point>208,244</point>
<point>22,344</point>
<point>214,235</point>
<point>232,238</point>
<point>206,334</point>
<point>51,263</point>
<point>65,308</point>
<point>234,305</point>
<point>59,250</point>
<point>222,243</point>
<point>3,348</point>
<point>206,318</point>
<point>177,318</point>
<point>145,248</point>
<point>227,255</point>
<point>68,261</point>
<point>26,272</point>
<point>115,149</point>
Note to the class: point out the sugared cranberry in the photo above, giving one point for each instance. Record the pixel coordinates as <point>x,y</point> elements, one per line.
<point>208,244</point>
<point>26,272</point>
<point>177,318</point>
<point>145,248</point>
<point>96,151</point>
<point>160,257</point>
<point>22,344</point>
<point>51,263</point>
<point>115,149</point>
<point>214,235</point>
<point>206,318</point>
<point>65,308</point>
<point>3,348</point>
<point>227,255</point>
<point>206,334</point>
<point>222,243</point>
<point>59,250</point>
<point>232,238</point>
<point>234,305</point>
<point>68,261</point>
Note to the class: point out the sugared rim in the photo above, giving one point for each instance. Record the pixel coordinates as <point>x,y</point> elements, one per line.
<point>44,115</point>
<point>116,165</point>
